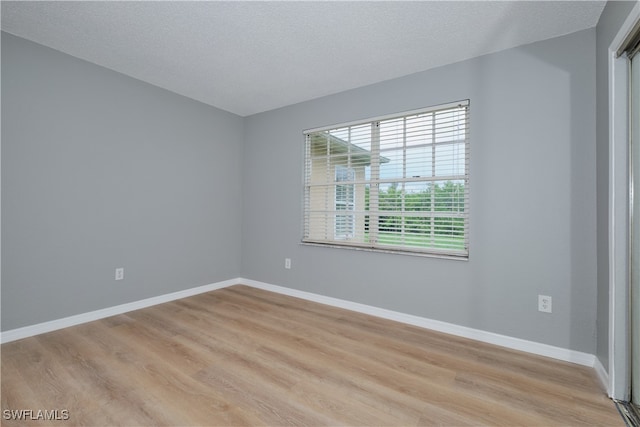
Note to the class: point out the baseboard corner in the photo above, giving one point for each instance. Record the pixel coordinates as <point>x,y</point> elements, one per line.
<point>602,374</point>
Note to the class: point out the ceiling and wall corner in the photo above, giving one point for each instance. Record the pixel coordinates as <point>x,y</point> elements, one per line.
<point>250,57</point>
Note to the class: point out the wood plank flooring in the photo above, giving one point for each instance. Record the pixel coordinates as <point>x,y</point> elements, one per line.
<point>243,356</point>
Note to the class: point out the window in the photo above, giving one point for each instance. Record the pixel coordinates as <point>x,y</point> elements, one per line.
<point>345,201</point>
<point>398,183</point>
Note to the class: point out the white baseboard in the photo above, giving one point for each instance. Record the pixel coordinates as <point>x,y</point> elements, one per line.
<point>436,325</point>
<point>559,353</point>
<point>603,375</point>
<point>41,328</point>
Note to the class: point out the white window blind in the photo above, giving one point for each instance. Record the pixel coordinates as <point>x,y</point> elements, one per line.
<point>397,183</point>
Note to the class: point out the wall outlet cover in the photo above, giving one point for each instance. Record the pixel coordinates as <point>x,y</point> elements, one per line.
<point>544,303</point>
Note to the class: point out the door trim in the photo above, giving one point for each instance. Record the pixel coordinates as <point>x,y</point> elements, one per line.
<point>619,227</point>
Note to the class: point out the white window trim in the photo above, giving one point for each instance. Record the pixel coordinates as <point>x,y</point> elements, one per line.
<point>431,252</point>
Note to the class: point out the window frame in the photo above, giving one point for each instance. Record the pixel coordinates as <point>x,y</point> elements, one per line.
<point>374,181</point>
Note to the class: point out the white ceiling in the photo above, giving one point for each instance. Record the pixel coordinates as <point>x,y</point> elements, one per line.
<point>249,57</point>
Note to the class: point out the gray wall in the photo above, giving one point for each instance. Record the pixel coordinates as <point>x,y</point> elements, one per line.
<point>100,171</point>
<point>610,23</point>
<point>533,204</point>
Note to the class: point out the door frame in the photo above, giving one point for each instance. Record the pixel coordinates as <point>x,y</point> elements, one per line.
<point>619,218</point>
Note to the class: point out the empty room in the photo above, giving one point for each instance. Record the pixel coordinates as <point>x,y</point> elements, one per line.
<point>320,213</point>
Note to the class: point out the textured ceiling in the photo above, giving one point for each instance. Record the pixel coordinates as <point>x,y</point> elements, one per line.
<point>248,57</point>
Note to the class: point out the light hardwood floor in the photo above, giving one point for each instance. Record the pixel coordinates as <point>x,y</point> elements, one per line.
<point>243,356</point>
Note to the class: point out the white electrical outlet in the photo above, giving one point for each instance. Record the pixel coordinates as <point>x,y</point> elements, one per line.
<point>287,263</point>
<point>119,273</point>
<point>544,303</point>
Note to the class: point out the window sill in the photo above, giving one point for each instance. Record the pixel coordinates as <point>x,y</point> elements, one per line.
<point>389,251</point>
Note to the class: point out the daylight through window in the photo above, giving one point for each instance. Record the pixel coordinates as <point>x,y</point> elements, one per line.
<point>396,183</point>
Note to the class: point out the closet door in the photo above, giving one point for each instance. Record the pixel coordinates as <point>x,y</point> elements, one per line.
<point>635,229</point>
